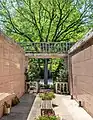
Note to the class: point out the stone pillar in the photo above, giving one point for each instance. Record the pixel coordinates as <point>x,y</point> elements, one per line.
<point>66,61</point>
<point>26,62</point>
<point>70,80</point>
<point>60,86</point>
<point>56,87</point>
<point>67,89</point>
<point>37,87</point>
<point>27,83</point>
<point>46,72</point>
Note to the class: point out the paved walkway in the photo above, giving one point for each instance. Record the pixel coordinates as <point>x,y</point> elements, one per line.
<point>21,111</point>
<point>68,109</point>
<point>35,110</point>
<point>61,110</point>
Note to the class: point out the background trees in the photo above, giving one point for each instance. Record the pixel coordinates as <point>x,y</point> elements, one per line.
<point>46,20</point>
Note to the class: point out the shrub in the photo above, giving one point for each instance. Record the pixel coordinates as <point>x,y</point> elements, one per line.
<point>15,101</point>
<point>47,96</point>
<point>6,105</point>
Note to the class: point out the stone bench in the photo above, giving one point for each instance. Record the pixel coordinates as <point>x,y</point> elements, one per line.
<point>5,97</point>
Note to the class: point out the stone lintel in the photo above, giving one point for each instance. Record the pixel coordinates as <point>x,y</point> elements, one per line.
<point>45,55</point>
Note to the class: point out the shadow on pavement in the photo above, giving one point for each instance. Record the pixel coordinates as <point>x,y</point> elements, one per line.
<point>21,111</point>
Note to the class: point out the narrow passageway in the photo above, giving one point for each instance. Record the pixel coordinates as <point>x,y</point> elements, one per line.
<point>66,109</point>
<point>69,109</point>
<point>35,110</point>
<point>21,111</point>
<point>61,109</point>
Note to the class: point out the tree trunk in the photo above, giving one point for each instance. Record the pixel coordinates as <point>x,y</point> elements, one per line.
<point>46,72</point>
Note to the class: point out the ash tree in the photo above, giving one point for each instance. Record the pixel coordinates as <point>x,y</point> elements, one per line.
<point>45,20</point>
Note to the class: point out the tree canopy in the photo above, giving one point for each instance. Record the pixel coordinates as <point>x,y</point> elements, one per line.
<point>45,20</point>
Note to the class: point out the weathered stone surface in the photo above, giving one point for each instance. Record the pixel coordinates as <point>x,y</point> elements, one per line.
<point>82,70</point>
<point>12,61</point>
<point>21,111</point>
<point>12,67</point>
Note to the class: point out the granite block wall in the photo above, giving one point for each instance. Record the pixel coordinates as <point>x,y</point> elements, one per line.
<point>82,72</point>
<point>12,67</point>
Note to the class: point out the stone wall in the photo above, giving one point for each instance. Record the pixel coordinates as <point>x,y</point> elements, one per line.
<point>12,61</point>
<point>82,73</point>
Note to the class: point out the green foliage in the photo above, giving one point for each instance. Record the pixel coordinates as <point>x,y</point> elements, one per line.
<point>48,118</point>
<point>47,96</point>
<point>34,69</point>
<point>61,73</point>
<point>55,63</point>
<point>46,20</point>
<point>15,101</point>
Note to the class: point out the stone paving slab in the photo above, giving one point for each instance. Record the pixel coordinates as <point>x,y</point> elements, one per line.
<point>78,113</point>
<point>68,109</point>
<point>21,111</point>
<point>61,110</point>
<point>35,110</point>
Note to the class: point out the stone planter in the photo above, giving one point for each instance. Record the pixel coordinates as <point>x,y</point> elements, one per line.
<point>46,107</point>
